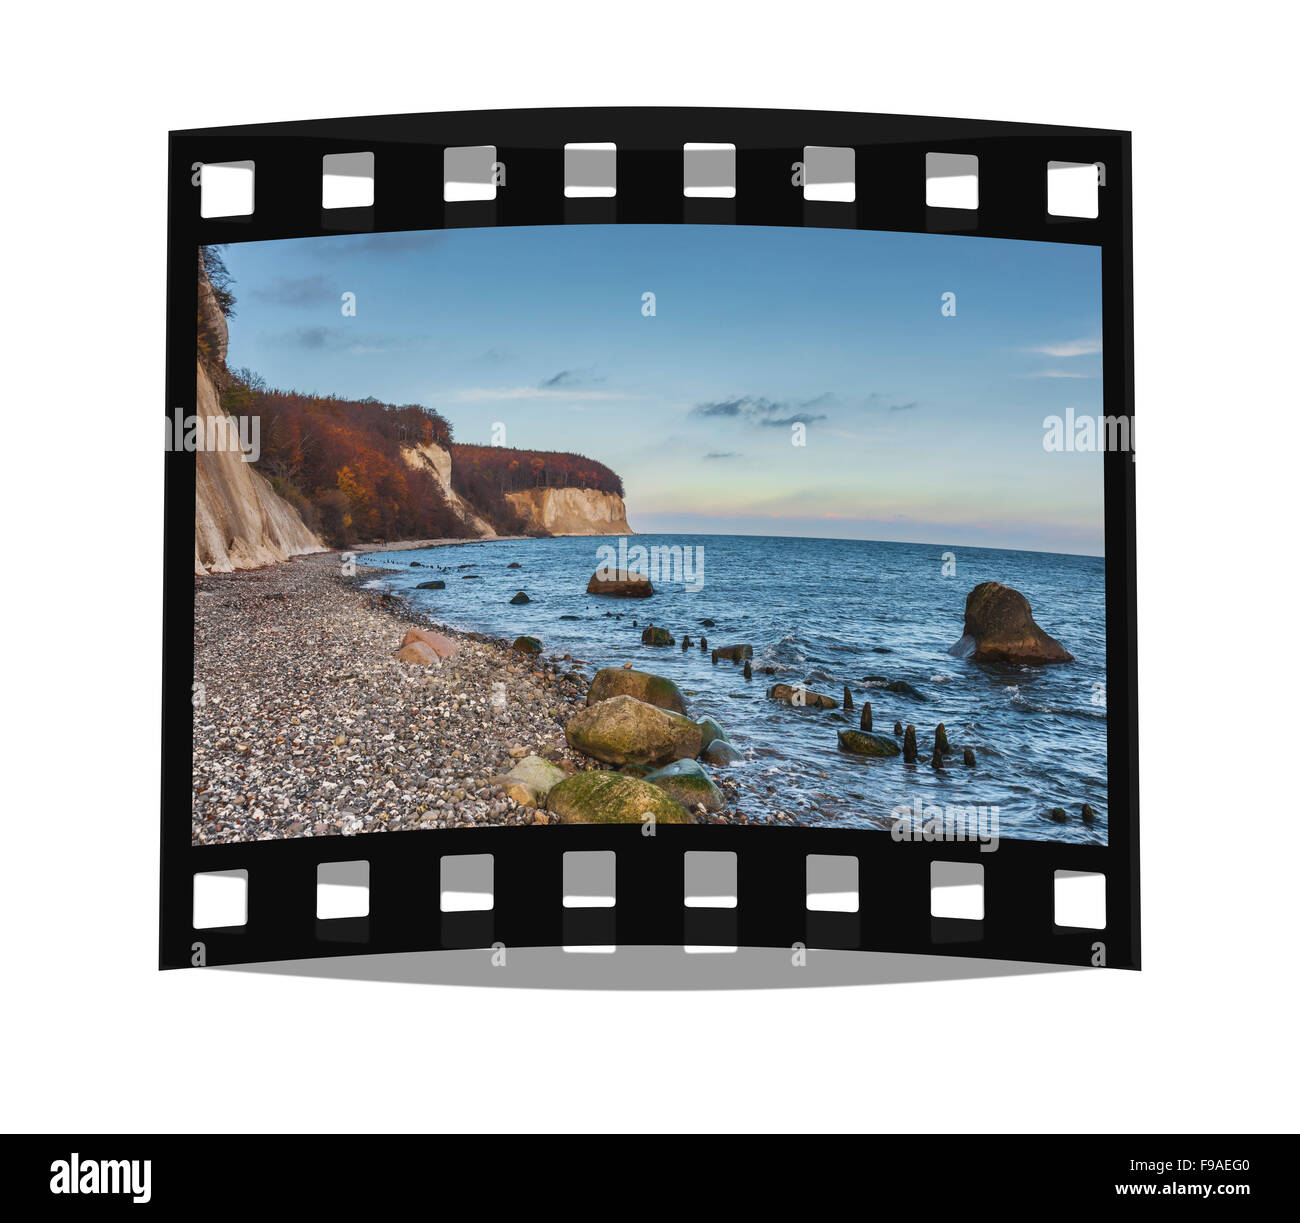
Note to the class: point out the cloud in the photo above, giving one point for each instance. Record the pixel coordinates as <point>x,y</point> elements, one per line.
<point>905,407</point>
<point>785,421</point>
<point>479,394</point>
<point>1068,348</point>
<point>877,401</point>
<point>723,454</point>
<point>343,339</point>
<point>1056,373</point>
<point>572,377</point>
<point>759,410</point>
<point>296,291</point>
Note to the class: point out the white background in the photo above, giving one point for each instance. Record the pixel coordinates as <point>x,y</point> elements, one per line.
<point>94,1037</point>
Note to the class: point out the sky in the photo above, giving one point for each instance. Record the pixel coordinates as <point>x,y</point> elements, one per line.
<point>919,426</point>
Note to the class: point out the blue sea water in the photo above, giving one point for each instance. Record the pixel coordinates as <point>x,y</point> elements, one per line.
<point>822,612</point>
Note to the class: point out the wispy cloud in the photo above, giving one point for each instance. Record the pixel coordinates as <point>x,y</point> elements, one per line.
<point>296,291</point>
<point>572,378</point>
<point>345,340</point>
<point>759,410</point>
<point>723,454</point>
<point>480,394</point>
<point>1055,373</point>
<point>878,401</point>
<point>1068,348</point>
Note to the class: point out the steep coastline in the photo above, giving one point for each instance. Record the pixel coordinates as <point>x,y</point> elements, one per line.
<point>571,511</point>
<point>239,520</point>
<point>437,461</point>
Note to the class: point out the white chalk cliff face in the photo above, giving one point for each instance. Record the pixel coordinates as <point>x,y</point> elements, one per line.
<point>571,511</point>
<point>437,461</point>
<point>239,520</point>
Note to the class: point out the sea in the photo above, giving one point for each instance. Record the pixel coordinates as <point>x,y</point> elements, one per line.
<point>824,613</point>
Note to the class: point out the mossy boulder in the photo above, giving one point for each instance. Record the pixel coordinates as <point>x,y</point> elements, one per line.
<point>521,597</point>
<point>623,730</point>
<point>720,753</point>
<point>689,783</point>
<point>527,645</point>
<point>864,743</point>
<point>611,798</point>
<point>625,681</point>
<point>800,697</point>
<point>650,635</point>
<point>437,585</point>
<point>1000,627</point>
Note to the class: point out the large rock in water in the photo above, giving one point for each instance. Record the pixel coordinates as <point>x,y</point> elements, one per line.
<point>624,681</point>
<point>623,730</point>
<point>689,783</point>
<point>864,743</point>
<point>1000,628</point>
<point>620,583</point>
<point>610,798</point>
<point>801,697</point>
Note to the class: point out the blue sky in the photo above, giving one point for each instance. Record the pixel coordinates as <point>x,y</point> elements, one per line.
<point>919,427</point>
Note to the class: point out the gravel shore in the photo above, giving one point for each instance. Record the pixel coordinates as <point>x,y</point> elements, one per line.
<point>305,724</point>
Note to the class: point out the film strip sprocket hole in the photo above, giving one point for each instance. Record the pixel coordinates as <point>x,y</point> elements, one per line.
<point>1057,887</point>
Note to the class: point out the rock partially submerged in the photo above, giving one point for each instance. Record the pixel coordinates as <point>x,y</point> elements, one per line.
<point>437,585</point>
<point>801,697</point>
<point>611,798</point>
<point>719,753</point>
<point>900,687</point>
<point>651,635</point>
<point>623,730</point>
<point>736,653</point>
<point>1000,627</point>
<point>521,597</point>
<point>689,784</point>
<point>623,681</point>
<point>620,584</point>
<point>709,731</point>
<point>864,743</point>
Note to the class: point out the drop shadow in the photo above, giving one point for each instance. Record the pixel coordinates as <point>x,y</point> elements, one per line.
<point>649,968</point>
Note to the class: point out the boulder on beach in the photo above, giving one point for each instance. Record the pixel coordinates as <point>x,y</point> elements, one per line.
<point>736,653</point>
<point>441,645</point>
<point>689,783</point>
<point>651,635</point>
<point>416,652</point>
<point>611,798</point>
<point>623,730</point>
<point>620,584</point>
<point>437,585</point>
<point>527,645</point>
<point>1000,627</point>
<point>624,681</point>
<point>864,743</point>
<point>521,597</point>
<point>529,782</point>
<point>801,697</point>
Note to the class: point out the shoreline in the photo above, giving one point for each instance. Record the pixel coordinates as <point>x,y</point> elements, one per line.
<point>306,725</point>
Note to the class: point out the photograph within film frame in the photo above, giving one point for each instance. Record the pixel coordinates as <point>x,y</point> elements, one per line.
<point>831,384</point>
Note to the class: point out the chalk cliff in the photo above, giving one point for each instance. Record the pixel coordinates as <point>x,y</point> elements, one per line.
<point>437,462</point>
<point>571,511</point>
<point>239,520</point>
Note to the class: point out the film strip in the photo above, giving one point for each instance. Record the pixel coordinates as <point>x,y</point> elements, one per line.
<point>691,885</point>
